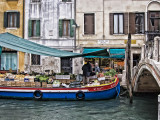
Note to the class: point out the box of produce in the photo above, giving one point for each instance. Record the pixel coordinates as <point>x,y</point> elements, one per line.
<point>49,85</point>
<point>18,84</point>
<point>33,84</point>
<point>44,84</point>
<point>8,83</point>
<point>27,84</point>
<point>37,84</point>
<point>13,83</point>
<point>4,83</point>
<point>22,84</point>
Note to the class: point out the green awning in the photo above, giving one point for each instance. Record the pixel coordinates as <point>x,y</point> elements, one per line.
<point>16,43</point>
<point>114,53</point>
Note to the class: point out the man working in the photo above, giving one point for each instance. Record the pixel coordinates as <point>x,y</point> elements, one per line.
<point>87,69</point>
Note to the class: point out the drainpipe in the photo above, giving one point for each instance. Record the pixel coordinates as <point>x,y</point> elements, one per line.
<point>76,26</point>
<point>23,16</point>
<point>103,20</point>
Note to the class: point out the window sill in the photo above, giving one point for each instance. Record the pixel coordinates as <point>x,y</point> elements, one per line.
<point>11,28</point>
<point>139,34</point>
<point>65,37</point>
<point>34,37</point>
<point>119,34</point>
<point>36,65</point>
<point>89,34</point>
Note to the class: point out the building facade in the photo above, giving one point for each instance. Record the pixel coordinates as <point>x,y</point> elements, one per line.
<point>106,24</point>
<point>50,23</point>
<point>11,13</point>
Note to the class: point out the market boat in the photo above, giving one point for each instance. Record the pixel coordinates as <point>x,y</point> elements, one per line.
<point>100,92</point>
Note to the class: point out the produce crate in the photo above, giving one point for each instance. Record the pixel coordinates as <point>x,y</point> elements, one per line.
<point>44,84</point>
<point>4,83</point>
<point>33,84</point>
<point>9,83</point>
<point>27,84</point>
<point>49,85</point>
<point>18,84</point>
<point>38,84</point>
<point>22,84</point>
<point>13,84</point>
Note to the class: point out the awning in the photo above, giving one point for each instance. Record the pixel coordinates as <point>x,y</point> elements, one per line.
<point>16,43</point>
<point>114,53</point>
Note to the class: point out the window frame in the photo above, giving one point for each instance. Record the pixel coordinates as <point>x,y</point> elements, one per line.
<point>153,18</point>
<point>94,27</point>
<point>36,1</point>
<point>143,27</point>
<point>32,26</point>
<point>118,22</point>
<point>66,0</point>
<point>16,24</point>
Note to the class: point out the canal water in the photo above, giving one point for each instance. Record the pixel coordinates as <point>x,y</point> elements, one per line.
<point>144,107</point>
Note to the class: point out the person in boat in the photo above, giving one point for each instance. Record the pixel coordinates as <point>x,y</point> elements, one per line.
<point>87,69</point>
<point>97,69</point>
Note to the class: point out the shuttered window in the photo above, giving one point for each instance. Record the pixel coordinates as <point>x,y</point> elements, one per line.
<point>34,28</point>
<point>36,0</point>
<point>89,24</point>
<point>118,24</point>
<point>11,19</point>
<point>66,0</point>
<point>35,59</point>
<point>154,21</point>
<point>65,28</point>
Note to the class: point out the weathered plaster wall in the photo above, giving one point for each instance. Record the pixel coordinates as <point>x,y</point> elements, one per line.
<point>49,12</point>
<point>110,6</point>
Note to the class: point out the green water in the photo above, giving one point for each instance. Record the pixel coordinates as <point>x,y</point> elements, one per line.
<point>143,108</point>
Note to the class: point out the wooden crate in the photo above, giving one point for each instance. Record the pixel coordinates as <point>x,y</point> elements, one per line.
<point>27,84</point>
<point>49,86</point>
<point>22,84</point>
<point>44,84</point>
<point>37,84</point>
<point>18,84</point>
<point>9,83</point>
<point>33,84</point>
<point>13,83</point>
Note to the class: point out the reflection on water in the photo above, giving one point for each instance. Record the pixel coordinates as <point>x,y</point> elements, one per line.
<point>143,108</point>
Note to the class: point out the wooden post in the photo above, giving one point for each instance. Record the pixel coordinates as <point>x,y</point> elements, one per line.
<point>128,68</point>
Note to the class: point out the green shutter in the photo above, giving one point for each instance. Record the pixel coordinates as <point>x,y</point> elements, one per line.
<point>0,50</point>
<point>60,28</point>
<point>5,20</point>
<point>71,28</point>
<point>18,19</point>
<point>38,28</point>
<point>30,28</point>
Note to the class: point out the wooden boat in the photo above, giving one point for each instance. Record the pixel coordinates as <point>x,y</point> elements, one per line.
<point>100,92</point>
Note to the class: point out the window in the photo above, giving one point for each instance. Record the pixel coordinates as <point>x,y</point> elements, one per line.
<point>66,65</point>
<point>34,28</point>
<point>139,23</point>
<point>11,19</point>
<point>154,21</point>
<point>8,61</point>
<point>136,23</point>
<point>89,24</point>
<point>66,0</point>
<point>35,0</point>
<point>35,59</point>
<point>65,28</point>
<point>118,23</point>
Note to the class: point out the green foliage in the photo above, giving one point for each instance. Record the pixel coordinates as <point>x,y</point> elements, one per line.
<point>42,78</point>
<point>111,73</point>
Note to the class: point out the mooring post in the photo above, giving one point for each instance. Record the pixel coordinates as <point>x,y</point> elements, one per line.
<point>128,68</point>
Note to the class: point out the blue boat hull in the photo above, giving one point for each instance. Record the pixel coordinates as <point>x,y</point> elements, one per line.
<point>93,95</point>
